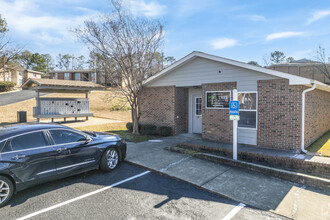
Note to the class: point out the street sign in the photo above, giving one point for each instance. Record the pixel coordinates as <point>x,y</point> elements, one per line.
<point>234,108</point>
<point>234,117</point>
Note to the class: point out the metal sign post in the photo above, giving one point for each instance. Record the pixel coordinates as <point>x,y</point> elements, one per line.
<point>234,116</point>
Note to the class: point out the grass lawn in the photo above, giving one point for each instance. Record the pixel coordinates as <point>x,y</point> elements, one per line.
<point>119,129</point>
<point>322,145</point>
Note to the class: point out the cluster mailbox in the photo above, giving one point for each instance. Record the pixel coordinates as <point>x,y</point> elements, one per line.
<point>52,106</point>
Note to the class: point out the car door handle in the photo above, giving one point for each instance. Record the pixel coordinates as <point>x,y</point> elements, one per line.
<point>18,157</point>
<point>61,149</point>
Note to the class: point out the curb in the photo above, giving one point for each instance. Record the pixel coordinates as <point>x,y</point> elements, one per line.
<point>296,177</point>
<point>312,168</point>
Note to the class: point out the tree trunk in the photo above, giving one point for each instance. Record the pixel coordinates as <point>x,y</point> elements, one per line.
<point>135,120</point>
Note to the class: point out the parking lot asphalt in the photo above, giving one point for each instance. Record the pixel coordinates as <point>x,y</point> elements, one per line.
<point>129,192</point>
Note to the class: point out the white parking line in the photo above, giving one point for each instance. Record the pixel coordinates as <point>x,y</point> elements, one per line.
<point>82,196</point>
<point>234,211</point>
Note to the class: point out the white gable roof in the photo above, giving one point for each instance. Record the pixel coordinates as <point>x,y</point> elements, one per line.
<point>293,79</point>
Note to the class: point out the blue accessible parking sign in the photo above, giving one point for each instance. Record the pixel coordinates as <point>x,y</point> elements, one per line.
<point>234,108</point>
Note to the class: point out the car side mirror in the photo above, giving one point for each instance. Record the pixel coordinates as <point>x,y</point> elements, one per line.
<point>88,140</point>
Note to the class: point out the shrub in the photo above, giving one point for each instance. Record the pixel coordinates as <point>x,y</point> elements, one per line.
<point>148,129</point>
<point>117,107</point>
<point>129,126</point>
<point>165,131</point>
<point>6,86</point>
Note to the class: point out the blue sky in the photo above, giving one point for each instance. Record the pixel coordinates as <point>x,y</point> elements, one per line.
<point>236,29</point>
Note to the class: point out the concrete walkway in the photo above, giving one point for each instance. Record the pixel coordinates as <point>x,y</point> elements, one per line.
<point>252,188</point>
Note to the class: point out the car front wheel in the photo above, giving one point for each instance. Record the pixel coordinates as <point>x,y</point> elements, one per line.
<point>110,160</point>
<point>6,190</point>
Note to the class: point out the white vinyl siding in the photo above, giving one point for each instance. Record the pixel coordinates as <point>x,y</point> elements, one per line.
<point>247,136</point>
<point>201,71</point>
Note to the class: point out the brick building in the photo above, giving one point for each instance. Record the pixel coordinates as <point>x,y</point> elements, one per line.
<point>305,68</point>
<point>193,94</point>
<point>90,75</point>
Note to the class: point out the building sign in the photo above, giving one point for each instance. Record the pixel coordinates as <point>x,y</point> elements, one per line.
<point>217,99</point>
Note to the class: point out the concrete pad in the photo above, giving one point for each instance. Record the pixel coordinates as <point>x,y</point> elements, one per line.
<point>196,171</point>
<point>181,138</point>
<point>305,204</point>
<point>252,188</point>
<point>156,160</point>
<point>140,149</point>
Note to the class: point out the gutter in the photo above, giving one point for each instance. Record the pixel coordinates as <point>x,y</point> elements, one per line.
<point>302,144</point>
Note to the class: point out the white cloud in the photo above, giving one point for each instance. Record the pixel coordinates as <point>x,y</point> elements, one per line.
<point>318,15</point>
<point>26,18</point>
<point>287,34</point>
<point>257,18</point>
<point>151,9</point>
<point>220,43</point>
<point>186,8</point>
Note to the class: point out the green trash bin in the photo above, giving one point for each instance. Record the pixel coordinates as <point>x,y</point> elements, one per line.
<point>21,116</point>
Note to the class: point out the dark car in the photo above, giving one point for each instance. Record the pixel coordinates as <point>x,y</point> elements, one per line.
<point>34,153</point>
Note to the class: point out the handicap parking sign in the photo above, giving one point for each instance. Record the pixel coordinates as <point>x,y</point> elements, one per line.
<point>234,108</point>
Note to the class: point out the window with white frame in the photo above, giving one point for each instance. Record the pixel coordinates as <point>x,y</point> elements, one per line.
<point>66,76</point>
<point>34,75</point>
<point>198,107</point>
<point>247,110</point>
<point>7,77</point>
<point>54,75</point>
<point>93,77</point>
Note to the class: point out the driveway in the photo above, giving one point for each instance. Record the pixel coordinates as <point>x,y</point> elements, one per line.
<point>13,97</point>
<point>129,192</point>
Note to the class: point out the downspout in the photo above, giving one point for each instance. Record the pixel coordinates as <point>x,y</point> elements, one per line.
<point>302,144</point>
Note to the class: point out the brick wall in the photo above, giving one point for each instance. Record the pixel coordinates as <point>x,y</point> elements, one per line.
<point>165,106</point>
<point>181,110</point>
<point>216,123</point>
<point>279,115</point>
<point>317,115</point>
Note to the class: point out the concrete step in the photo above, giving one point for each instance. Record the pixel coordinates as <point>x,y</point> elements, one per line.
<point>301,178</point>
<point>314,166</point>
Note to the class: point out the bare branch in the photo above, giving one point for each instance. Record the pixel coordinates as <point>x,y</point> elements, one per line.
<point>126,46</point>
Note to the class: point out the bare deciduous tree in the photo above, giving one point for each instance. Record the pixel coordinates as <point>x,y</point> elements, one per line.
<point>323,62</point>
<point>8,53</point>
<point>127,45</point>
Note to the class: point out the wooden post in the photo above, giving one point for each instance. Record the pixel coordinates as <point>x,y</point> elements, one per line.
<point>38,105</point>
<point>88,102</point>
<point>64,118</point>
<point>75,118</point>
<point>52,120</point>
